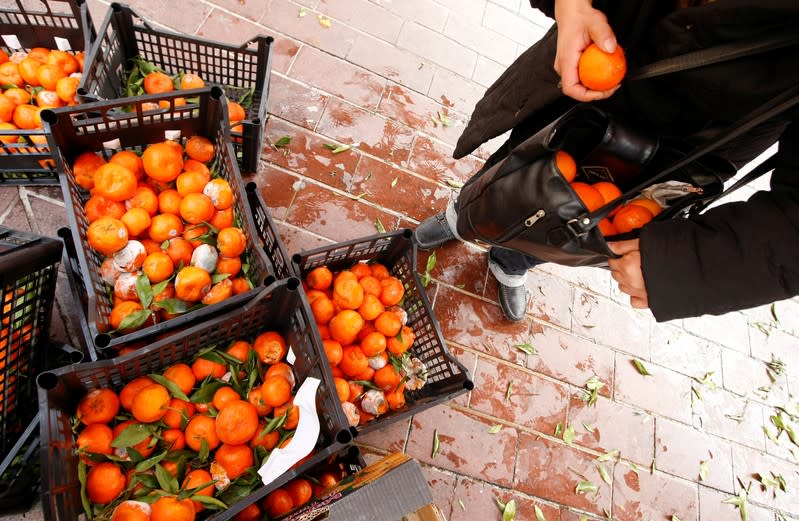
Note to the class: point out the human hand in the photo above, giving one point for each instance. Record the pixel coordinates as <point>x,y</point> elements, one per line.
<point>580,25</point>
<point>626,270</point>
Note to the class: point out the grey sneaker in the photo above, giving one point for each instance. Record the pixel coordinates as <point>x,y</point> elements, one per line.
<point>433,232</point>
<point>513,301</point>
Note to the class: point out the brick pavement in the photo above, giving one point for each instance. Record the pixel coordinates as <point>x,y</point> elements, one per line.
<point>681,440</point>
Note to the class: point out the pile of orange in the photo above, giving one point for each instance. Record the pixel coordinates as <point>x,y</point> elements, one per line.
<point>632,216</point>
<point>165,447</point>
<point>365,335</point>
<point>39,79</point>
<point>166,227</point>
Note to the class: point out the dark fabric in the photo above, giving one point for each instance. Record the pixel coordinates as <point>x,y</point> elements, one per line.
<point>511,261</point>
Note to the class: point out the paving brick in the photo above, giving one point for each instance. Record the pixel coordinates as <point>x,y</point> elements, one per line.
<point>278,189</point>
<point>665,392</point>
<point>608,323</point>
<point>390,437</point>
<point>251,10</point>
<point>729,330</point>
<point>419,112</point>
<point>47,217</point>
<point>395,64</point>
<point>776,345</point>
<point>442,486</point>
<point>365,16</point>
<point>551,471</point>
<point>535,16</point>
<point>746,376</point>
<point>719,413</point>
<point>338,77</point>
<point>510,5</point>
<point>15,218</point>
<point>680,449</point>
<point>485,42</point>
<point>306,155</point>
<point>595,280</point>
<point>429,14</point>
<point>712,507</point>
<point>398,190</point>
<point>97,10</point>
<point>373,134</point>
<point>466,446</point>
<point>296,239</point>
<point>463,318</point>
<point>675,348</point>
<point>748,462</point>
<point>487,71</point>
<point>459,264</point>
<point>8,196</point>
<point>283,16</point>
<point>614,427</point>
<point>224,27</point>
<point>480,502</point>
<point>512,25</point>
<point>437,48</point>
<point>456,91</point>
<point>551,298</point>
<point>467,9</point>
<point>534,403</point>
<point>434,160</point>
<point>570,359</point>
<point>283,52</point>
<point>642,495</point>
<point>295,102</point>
<point>163,13</point>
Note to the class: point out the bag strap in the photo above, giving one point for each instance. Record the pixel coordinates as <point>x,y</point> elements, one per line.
<point>717,54</point>
<point>768,110</point>
<point>766,166</point>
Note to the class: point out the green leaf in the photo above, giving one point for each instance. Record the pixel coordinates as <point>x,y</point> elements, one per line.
<point>741,502</point>
<point>302,13</point>
<point>171,386</point>
<point>584,487</point>
<point>527,348</point>
<point>436,445</point>
<point>603,473</point>
<point>454,183</point>
<point>132,435</point>
<point>568,434</point>
<point>219,277</point>
<point>460,502</point>
<point>774,312</point>
<point>675,518</point>
<point>495,429</point>
<point>337,149</point>
<point>431,262</point>
<point>84,497</point>
<point>539,515</point>
<point>135,319</point>
<point>161,286</point>
<point>205,394</point>
<point>426,278</point>
<point>509,512</point>
<point>509,390</point>
<point>641,367</point>
<point>149,463</point>
<point>703,470</point>
<point>204,449</point>
<point>166,480</point>
<point>444,120</point>
<point>144,290</point>
<point>379,226</point>
<point>589,427</point>
<point>394,182</point>
<point>558,429</point>
<point>274,424</point>
<point>209,501</point>
<point>171,305</point>
<point>283,142</point>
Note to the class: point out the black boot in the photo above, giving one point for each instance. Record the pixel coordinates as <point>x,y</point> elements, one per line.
<point>433,232</point>
<point>513,301</point>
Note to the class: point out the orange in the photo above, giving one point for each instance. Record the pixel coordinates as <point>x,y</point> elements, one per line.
<point>158,82</point>
<point>197,478</point>
<point>345,326</point>
<point>170,508</point>
<point>98,206</point>
<point>200,428</point>
<point>192,165</point>
<point>277,503</point>
<point>98,406</point>
<point>396,398</point>
<point>342,389</point>
<point>84,167</point>
<point>235,459</point>
<point>220,193</point>
<point>353,362</point>
<point>361,270</point>
<point>388,323</point>
<point>607,190</point>
<point>191,182</point>
<point>631,217</point>
<point>143,197</point>
<point>589,195</point>
<point>347,293</point>
<point>223,396</point>
<point>392,291</point>
<point>371,285</point>
<point>104,482</point>
<point>95,439</point>
<point>169,202</point>
<point>267,440</point>
<point>250,513</point>
<point>255,397</point>
<point>374,344</point>
<point>162,162</point>
<point>222,218</point>
<point>107,235</point>
<point>292,416</point>
<point>27,116</point>
<point>121,311</point>
<point>179,250</point>
<point>323,310</point>
<point>203,368</point>
<point>235,112</point>
<point>200,149</point>
<point>218,292</point>
<point>27,69</point>
<point>191,81</point>
<point>371,307</point>
<point>39,54</point>
<point>132,389</point>
<point>240,350</point>
<point>193,233</point>
<point>230,242</point>
<point>131,511</point>
<point>606,227</point>
<point>144,447</point>
<point>319,278</point>
<point>281,369</point>
<point>136,220</point>
<point>228,265</point>
<point>566,165</point>
<point>270,347</point>
<point>67,88</point>
<point>9,75</point>
<point>333,350</point>
<point>647,203</point>
<point>178,411</point>
<point>48,99</point>
<point>192,283</point>
<point>600,70</point>
<point>165,226</point>
<point>18,96</point>
<point>5,138</point>
<point>65,61</point>
<point>275,391</point>
<point>158,267</point>
<point>182,376</point>
<point>400,343</point>
<point>197,208</point>
<point>379,271</point>
<point>115,182</point>
<point>150,404</point>
<point>387,378</point>
<point>237,422</point>
<point>150,246</point>
<point>48,75</point>
<point>6,108</point>
<point>300,490</point>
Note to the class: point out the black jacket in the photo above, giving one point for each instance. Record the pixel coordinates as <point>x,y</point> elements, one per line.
<point>734,256</point>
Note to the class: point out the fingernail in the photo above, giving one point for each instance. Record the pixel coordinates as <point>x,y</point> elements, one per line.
<point>608,45</point>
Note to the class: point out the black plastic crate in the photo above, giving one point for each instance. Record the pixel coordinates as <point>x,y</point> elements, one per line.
<point>39,23</point>
<point>86,128</point>
<point>124,35</point>
<point>281,307</point>
<point>447,377</point>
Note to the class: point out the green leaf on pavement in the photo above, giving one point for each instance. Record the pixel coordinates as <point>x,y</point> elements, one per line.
<point>283,142</point>
<point>436,445</point>
<point>379,226</point>
<point>495,429</point>
<point>583,487</point>
<point>539,515</point>
<point>568,434</point>
<point>603,473</point>
<point>641,367</point>
<point>703,470</point>
<point>526,348</point>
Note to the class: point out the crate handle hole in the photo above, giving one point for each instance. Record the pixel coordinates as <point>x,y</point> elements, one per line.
<point>47,380</point>
<point>216,92</point>
<point>64,233</point>
<point>48,116</point>
<point>296,258</point>
<point>269,280</point>
<point>353,432</point>
<point>102,340</point>
<point>250,187</point>
<point>468,385</point>
<point>292,283</point>
<point>353,451</point>
<point>344,436</point>
<point>407,233</point>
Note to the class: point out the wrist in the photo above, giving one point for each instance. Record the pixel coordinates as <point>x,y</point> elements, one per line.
<point>564,8</point>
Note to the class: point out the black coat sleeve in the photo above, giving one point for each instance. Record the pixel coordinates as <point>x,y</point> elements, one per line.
<point>734,256</point>
<point>546,6</point>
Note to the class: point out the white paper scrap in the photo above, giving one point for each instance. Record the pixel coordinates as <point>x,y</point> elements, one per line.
<point>305,436</point>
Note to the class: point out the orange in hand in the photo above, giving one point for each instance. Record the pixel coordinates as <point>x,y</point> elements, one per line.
<point>631,217</point>
<point>566,165</point>
<point>589,195</point>
<point>599,70</point>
